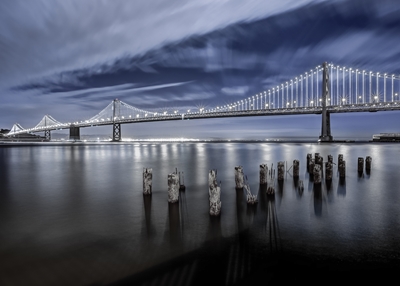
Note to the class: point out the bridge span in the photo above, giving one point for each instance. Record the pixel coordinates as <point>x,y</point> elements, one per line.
<point>339,90</point>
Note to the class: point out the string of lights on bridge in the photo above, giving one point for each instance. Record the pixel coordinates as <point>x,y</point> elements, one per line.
<point>348,86</point>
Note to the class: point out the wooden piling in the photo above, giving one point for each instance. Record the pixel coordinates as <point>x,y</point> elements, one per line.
<point>173,188</point>
<point>296,170</point>
<point>368,162</point>
<point>328,171</point>
<point>340,159</point>
<point>281,170</point>
<point>251,199</point>
<point>239,177</point>
<point>330,159</point>
<point>214,192</point>
<point>320,161</point>
<point>263,174</point>
<point>342,169</point>
<point>309,157</point>
<point>311,168</point>
<point>360,165</point>
<point>317,174</point>
<point>147,180</point>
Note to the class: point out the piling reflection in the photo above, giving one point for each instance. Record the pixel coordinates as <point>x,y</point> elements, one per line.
<point>241,250</point>
<point>272,226</point>
<point>317,199</point>
<point>174,234</point>
<point>183,211</point>
<point>296,182</point>
<point>328,184</point>
<point>341,189</point>
<point>240,201</point>
<point>149,229</point>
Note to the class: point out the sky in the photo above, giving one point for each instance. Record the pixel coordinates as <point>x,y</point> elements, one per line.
<point>71,58</point>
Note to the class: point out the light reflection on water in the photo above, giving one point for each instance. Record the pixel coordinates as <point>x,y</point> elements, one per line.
<point>83,205</point>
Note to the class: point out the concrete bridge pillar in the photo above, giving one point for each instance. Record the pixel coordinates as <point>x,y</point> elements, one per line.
<point>326,120</point>
<point>74,133</point>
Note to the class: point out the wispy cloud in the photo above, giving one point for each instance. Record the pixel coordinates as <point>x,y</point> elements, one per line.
<point>235,90</point>
<point>51,39</point>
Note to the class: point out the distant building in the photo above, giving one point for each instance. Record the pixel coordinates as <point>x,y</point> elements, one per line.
<point>386,137</point>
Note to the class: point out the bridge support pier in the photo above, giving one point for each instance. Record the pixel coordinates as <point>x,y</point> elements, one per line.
<point>74,133</point>
<point>47,134</point>
<point>116,132</point>
<point>326,119</point>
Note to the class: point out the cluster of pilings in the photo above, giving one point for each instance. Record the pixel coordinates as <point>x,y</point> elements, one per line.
<point>315,167</point>
<point>360,165</point>
<point>267,177</point>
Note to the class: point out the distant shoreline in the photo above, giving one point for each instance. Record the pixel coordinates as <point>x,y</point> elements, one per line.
<point>94,142</point>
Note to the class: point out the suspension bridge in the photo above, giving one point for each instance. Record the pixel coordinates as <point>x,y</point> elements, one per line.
<point>322,90</point>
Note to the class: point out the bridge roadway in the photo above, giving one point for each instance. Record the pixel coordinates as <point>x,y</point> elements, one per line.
<point>369,107</point>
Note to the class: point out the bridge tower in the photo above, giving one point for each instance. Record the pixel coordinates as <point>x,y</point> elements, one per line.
<point>116,126</point>
<point>47,135</point>
<point>326,119</point>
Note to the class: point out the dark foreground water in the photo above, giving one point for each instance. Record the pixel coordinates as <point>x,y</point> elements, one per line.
<point>75,215</point>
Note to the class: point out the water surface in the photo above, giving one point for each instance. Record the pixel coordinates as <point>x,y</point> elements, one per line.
<point>76,215</point>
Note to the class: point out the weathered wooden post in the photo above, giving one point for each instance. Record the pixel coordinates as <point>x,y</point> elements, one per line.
<point>342,169</point>
<point>147,180</point>
<point>320,161</point>
<point>214,193</point>
<point>263,174</point>
<point>360,166</point>
<point>330,158</point>
<point>281,170</point>
<point>173,187</point>
<point>251,199</point>
<point>296,169</point>
<point>328,171</point>
<point>311,168</point>
<point>340,159</point>
<point>368,162</point>
<point>239,177</point>
<point>316,156</point>
<point>317,174</point>
<point>309,157</point>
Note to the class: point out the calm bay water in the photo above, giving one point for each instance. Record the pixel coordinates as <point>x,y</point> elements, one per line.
<point>75,214</point>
